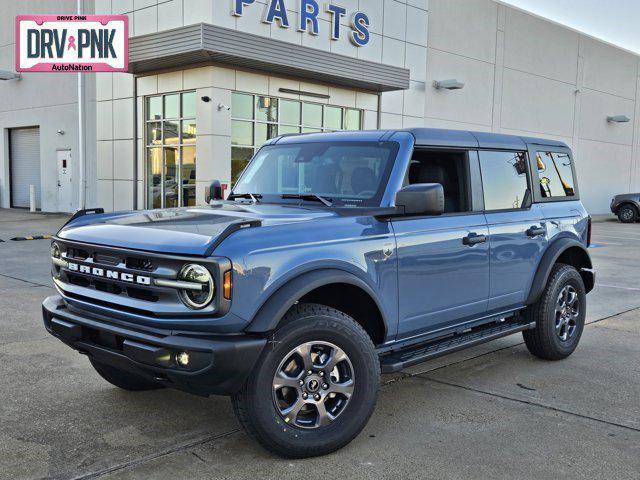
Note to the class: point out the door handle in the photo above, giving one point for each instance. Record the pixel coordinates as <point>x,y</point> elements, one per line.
<point>474,239</point>
<point>536,231</point>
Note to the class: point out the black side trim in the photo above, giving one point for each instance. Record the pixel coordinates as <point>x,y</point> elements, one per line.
<point>550,257</point>
<point>82,213</point>
<point>231,228</point>
<point>272,311</point>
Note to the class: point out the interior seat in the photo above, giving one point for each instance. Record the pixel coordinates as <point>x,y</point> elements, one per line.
<point>433,173</point>
<point>363,180</point>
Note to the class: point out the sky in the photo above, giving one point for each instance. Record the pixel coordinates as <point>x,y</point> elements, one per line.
<point>614,21</point>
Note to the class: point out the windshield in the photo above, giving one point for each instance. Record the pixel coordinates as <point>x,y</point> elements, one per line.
<point>347,174</point>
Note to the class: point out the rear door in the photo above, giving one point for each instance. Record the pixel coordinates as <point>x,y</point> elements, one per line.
<point>517,230</point>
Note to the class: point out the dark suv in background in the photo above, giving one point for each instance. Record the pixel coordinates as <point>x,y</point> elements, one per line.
<point>626,207</point>
<point>337,256</point>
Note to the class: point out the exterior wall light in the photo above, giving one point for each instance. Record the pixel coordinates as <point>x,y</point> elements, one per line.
<point>451,84</point>
<point>618,119</point>
<point>7,75</point>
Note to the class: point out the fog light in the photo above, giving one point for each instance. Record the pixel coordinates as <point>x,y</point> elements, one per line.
<point>182,359</point>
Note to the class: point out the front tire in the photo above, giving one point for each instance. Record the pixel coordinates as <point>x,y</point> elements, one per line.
<point>559,315</point>
<point>627,214</point>
<point>122,379</point>
<point>315,386</point>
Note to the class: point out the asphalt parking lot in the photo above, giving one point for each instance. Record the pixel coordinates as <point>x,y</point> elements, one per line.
<point>489,412</point>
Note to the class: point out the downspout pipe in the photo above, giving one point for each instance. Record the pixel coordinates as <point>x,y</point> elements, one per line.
<point>81,134</point>
<point>135,142</point>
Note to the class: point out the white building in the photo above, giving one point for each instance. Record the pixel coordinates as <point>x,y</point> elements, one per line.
<point>208,85</point>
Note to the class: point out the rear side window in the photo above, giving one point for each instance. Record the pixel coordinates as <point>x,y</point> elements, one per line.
<point>555,174</point>
<point>504,180</point>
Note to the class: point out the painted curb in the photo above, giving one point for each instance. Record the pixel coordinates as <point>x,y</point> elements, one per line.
<point>31,237</point>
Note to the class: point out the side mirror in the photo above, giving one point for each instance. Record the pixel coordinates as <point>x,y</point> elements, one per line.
<point>421,199</point>
<point>213,191</point>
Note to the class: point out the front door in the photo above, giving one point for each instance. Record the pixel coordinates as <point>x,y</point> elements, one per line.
<point>65,193</point>
<point>443,271</point>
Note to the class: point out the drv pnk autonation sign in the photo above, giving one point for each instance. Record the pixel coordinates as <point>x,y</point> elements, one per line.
<point>72,43</point>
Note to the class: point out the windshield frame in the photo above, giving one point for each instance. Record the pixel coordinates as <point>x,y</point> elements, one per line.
<point>337,202</point>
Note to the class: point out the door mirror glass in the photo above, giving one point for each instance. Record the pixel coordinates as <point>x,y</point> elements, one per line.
<point>421,199</point>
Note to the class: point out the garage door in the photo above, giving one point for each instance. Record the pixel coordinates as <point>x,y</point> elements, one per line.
<point>25,165</point>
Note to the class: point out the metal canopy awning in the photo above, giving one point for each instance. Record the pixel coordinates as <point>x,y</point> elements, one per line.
<point>203,43</point>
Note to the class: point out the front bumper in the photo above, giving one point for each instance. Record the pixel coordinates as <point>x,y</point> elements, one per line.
<point>217,364</point>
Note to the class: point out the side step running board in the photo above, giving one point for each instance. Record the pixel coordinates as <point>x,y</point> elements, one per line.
<point>396,361</point>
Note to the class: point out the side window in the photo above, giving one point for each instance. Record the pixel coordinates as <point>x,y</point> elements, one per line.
<point>448,168</point>
<point>504,178</point>
<point>555,174</point>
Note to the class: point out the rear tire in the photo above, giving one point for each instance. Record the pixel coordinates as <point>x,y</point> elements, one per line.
<point>296,414</point>
<point>122,379</point>
<point>627,214</point>
<point>559,315</point>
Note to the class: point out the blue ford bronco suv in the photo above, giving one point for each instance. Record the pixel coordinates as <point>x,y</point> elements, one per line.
<point>336,256</point>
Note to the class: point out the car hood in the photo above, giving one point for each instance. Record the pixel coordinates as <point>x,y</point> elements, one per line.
<point>184,231</point>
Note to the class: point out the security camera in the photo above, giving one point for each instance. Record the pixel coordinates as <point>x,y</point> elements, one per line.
<point>222,106</point>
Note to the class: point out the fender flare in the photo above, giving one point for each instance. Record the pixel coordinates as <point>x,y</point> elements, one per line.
<point>549,259</point>
<point>275,307</point>
<point>628,201</point>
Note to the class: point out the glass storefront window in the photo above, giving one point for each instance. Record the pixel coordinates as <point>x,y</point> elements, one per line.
<point>170,136</point>
<point>284,129</point>
<point>352,119</point>
<point>257,118</point>
<point>242,106</point>
<point>241,133</point>
<point>290,112</point>
<point>240,156</point>
<point>333,118</point>
<point>172,106</point>
<point>311,115</point>
<point>154,108</point>
<point>188,175</point>
<point>265,131</point>
<point>189,104</point>
<point>266,109</point>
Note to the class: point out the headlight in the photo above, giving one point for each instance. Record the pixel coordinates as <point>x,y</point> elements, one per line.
<point>55,250</point>
<point>194,273</point>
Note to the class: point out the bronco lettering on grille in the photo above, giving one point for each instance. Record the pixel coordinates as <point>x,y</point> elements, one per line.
<point>110,274</point>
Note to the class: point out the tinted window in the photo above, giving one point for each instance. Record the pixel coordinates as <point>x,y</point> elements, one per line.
<point>504,178</point>
<point>449,169</point>
<point>555,174</point>
<point>351,174</point>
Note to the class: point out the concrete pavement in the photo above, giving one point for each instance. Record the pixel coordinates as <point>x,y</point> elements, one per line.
<point>489,412</point>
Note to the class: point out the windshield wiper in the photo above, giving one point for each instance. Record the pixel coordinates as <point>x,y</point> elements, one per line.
<point>254,197</point>
<point>309,196</point>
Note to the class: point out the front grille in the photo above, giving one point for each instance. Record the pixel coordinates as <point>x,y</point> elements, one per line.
<point>130,280</point>
<point>142,264</point>
<point>77,254</point>
<point>105,259</point>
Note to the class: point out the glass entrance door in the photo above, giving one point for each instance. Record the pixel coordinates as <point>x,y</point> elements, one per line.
<point>170,139</point>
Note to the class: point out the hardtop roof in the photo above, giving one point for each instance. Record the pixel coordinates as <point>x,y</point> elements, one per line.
<point>426,137</point>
